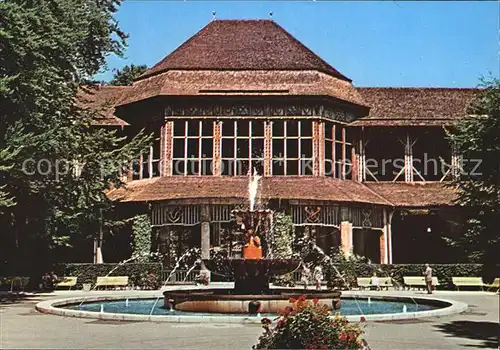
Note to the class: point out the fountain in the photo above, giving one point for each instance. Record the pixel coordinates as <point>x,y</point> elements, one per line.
<point>251,263</point>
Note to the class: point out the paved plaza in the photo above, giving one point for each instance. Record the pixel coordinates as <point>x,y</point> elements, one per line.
<point>24,327</point>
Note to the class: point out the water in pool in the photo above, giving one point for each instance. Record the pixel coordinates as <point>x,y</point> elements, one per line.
<point>144,306</point>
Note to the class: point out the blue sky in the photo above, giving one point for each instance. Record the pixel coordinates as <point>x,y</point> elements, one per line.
<point>388,43</point>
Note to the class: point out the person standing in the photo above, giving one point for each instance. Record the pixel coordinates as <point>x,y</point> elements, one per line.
<point>318,276</point>
<point>306,273</point>
<point>428,278</point>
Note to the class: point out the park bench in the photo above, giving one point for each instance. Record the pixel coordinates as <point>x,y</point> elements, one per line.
<point>468,282</point>
<point>494,285</point>
<point>112,281</point>
<point>418,281</point>
<point>66,282</point>
<point>365,282</point>
<point>15,283</point>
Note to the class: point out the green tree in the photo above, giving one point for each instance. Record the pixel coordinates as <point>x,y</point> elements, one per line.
<point>127,74</point>
<point>477,140</point>
<point>59,165</point>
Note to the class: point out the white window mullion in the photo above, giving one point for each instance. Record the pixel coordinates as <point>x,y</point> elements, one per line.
<point>285,152</point>
<point>235,154</point>
<point>186,140</point>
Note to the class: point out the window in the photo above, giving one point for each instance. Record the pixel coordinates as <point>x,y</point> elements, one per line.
<point>242,147</point>
<point>148,163</point>
<point>292,147</point>
<point>192,147</point>
<point>337,152</point>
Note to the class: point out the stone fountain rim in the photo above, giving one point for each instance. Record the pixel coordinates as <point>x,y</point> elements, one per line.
<point>53,307</point>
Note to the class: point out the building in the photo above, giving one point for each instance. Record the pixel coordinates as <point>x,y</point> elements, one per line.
<point>363,168</point>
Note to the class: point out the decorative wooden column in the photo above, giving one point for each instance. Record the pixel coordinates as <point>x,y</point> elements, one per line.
<point>346,237</point>
<point>385,237</point>
<point>166,138</point>
<point>389,234</point>
<point>205,238</point>
<point>359,159</point>
<point>408,159</point>
<point>268,139</point>
<point>216,166</point>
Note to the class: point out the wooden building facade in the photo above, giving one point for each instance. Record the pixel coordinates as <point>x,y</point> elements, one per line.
<point>243,96</point>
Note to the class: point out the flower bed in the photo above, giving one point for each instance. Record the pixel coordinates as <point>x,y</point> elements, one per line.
<point>306,324</point>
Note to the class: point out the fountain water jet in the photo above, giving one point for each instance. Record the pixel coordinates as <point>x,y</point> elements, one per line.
<point>252,273</point>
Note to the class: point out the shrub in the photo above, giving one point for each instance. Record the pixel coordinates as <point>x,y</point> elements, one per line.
<point>308,325</point>
<point>141,233</point>
<point>444,272</point>
<point>144,275</point>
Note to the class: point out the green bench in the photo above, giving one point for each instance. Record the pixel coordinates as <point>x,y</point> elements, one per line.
<point>66,282</point>
<point>112,281</point>
<point>418,281</point>
<point>468,282</point>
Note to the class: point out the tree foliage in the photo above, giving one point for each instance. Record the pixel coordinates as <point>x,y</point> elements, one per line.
<point>477,137</point>
<point>58,165</point>
<point>128,74</point>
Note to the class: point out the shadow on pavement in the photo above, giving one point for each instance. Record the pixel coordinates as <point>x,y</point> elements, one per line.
<point>487,332</point>
<point>8,298</point>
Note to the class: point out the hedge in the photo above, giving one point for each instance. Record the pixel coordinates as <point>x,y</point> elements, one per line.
<point>444,272</point>
<point>144,275</point>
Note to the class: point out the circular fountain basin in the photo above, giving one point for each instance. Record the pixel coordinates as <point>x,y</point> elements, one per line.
<point>140,308</point>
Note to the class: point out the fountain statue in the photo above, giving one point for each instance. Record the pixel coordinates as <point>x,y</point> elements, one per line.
<point>251,263</point>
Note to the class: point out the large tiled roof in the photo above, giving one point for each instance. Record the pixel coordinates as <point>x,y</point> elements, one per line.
<point>427,194</point>
<point>415,195</point>
<point>243,45</point>
<point>391,106</point>
<point>207,187</point>
<point>103,99</point>
<point>243,83</point>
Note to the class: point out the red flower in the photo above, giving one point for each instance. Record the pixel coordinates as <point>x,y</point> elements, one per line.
<point>362,319</point>
<point>292,300</point>
<point>287,310</point>
<point>302,298</point>
<point>343,336</point>
<point>324,347</point>
<point>315,301</point>
<point>351,337</point>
